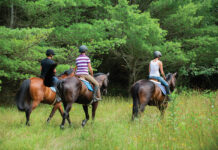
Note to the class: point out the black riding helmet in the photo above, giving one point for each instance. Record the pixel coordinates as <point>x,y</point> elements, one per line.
<point>157,54</point>
<point>50,52</point>
<point>83,49</point>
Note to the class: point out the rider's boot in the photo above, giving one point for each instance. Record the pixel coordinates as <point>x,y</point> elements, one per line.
<point>95,93</point>
<point>58,98</point>
<point>168,94</point>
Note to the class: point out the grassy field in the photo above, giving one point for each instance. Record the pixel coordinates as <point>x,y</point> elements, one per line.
<point>190,123</point>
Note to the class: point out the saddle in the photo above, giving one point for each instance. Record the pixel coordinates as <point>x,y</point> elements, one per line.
<point>87,84</point>
<point>156,82</point>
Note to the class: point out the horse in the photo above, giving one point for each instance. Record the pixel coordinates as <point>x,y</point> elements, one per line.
<point>33,91</point>
<point>73,90</point>
<point>145,92</point>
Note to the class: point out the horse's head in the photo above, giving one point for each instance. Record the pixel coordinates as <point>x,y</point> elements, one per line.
<point>103,81</point>
<point>67,73</point>
<point>171,79</point>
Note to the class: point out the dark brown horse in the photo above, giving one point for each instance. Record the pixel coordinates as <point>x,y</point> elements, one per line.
<point>145,92</point>
<point>73,90</point>
<point>33,91</point>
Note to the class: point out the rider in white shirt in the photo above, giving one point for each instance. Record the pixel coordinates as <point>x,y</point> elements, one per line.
<point>155,67</point>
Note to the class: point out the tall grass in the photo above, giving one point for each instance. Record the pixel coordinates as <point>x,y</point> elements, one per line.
<point>190,123</point>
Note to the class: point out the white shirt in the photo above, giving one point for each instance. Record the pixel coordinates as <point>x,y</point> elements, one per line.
<point>154,68</point>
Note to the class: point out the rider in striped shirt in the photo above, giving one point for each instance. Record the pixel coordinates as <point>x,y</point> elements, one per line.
<point>83,67</point>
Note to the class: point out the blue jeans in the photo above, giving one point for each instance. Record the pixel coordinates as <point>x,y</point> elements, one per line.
<point>54,81</point>
<point>162,81</point>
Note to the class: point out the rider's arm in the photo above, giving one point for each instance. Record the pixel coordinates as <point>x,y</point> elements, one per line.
<point>161,69</point>
<point>40,68</point>
<point>90,69</point>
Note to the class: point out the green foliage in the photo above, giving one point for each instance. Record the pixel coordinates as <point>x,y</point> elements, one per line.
<point>184,31</point>
<point>173,56</point>
<point>18,56</point>
<point>139,33</point>
<point>52,13</point>
<point>181,24</point>
<point>193,24</point>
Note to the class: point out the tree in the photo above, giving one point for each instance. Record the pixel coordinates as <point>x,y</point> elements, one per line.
<point>193,24</point>
<point>141,36</point>
<point>19,57</point>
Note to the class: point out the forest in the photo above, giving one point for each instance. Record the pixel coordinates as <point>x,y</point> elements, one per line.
<point>121,36</point>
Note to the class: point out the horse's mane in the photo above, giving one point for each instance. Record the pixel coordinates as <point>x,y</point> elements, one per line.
<point>66,72</point>
<point>169,76</point>
<point>98,74</point>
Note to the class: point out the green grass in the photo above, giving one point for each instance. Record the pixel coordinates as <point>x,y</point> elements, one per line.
<point>190,123</point>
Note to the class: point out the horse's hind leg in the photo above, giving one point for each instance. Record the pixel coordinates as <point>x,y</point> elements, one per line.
<point>85,108</point>
<point>94,107</point>
<point>28,112</point>
<point>143,99</point>
<point>66,114</point>
<point>60,109</point>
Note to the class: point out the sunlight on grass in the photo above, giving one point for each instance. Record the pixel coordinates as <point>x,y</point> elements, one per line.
<point>190,123</point>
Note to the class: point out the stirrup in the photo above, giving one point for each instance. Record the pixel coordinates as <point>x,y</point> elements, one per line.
<point>58,99</point>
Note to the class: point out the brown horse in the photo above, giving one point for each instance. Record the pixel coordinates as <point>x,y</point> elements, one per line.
<point>73,90</point>
<point>146,92</point>
<point>33,91</point>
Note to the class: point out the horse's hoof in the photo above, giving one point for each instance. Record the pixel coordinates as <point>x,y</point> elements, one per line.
<point>48,120</point>
<point>62,127</point>
<point>83,123</point>
<point>27,124</point>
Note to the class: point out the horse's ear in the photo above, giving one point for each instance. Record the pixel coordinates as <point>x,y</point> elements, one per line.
<point>175,74</point>
<point>108,74</point>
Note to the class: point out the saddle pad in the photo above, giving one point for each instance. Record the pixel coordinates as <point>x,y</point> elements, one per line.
<point>155,81</point>
<point>163,89</point>
<point>53,89</point>
<point>88,85</point>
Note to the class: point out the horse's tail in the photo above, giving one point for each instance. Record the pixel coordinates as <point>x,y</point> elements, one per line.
<point>23,96</point>
<point>134,93</point>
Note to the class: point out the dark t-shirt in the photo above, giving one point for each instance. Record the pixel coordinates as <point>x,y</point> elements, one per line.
<point>46,64</point>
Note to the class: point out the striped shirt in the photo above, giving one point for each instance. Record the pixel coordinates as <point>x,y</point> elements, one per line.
<point>82,64</point>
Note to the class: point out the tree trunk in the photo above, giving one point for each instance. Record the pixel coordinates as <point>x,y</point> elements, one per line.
<point>12,15</point>
<point>133,73</point>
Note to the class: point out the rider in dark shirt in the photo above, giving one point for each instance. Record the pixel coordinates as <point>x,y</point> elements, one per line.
<point>46,65</point>
<point>48,72</point>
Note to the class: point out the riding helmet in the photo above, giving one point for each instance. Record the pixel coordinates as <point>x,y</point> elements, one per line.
<point>157,54</point>
<point>83,49</point>
<point>50,52</point>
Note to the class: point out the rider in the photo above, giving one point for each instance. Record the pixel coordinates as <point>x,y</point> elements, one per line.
<point>83,64</point>
<point>46,65</point>
<point>154,67</point>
